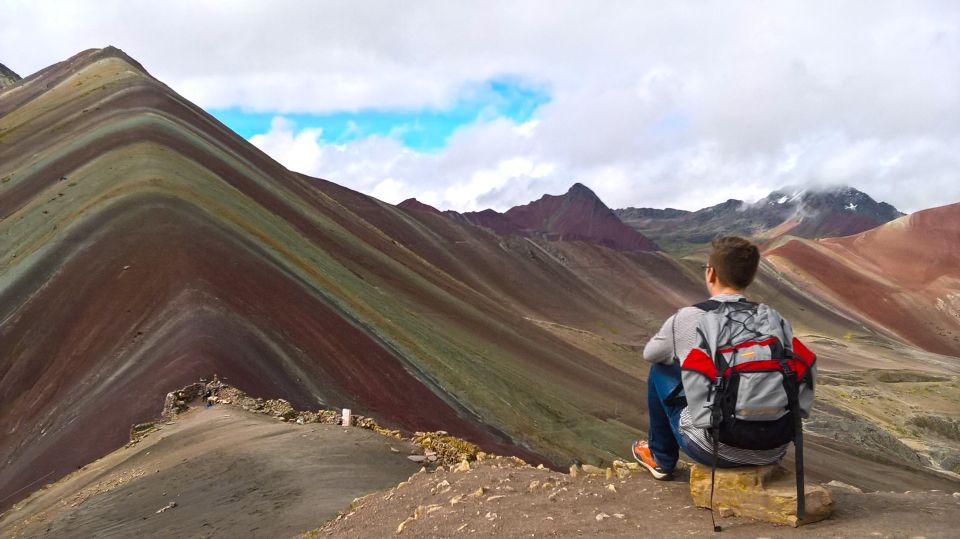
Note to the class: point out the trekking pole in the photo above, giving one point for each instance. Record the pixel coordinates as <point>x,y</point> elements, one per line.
<point>716,416</point>
<point>715,433</point>
<point>792,389</point>
<point>798,464</point>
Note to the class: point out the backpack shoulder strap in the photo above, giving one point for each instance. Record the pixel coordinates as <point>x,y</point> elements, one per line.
<point>713,305</point>
<point>709,305</point>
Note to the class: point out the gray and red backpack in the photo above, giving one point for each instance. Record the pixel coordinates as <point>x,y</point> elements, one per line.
<point>749,381</point>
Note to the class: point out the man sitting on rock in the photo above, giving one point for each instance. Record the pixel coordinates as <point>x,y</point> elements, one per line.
<point>731,347</point>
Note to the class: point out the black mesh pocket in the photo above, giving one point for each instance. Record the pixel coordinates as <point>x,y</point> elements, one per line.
<point>756,434</point>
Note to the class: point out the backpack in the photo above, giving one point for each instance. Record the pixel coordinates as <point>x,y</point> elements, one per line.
<point>749,381</point>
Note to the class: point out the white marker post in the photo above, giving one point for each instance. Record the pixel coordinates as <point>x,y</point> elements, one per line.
<point>346,417</point>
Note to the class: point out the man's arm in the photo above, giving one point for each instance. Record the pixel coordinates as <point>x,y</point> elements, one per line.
<point>660,348</point>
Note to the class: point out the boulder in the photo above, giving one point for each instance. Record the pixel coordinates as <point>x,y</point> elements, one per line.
<point>759,492</point>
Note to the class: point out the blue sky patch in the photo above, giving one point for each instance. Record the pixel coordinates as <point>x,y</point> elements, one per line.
<point>672,123</point>
<point>422,130</point>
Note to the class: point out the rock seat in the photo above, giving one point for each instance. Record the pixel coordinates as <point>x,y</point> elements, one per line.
<point>760,492</point>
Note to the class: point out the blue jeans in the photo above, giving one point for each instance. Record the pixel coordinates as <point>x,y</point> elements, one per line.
<point>664,435</point>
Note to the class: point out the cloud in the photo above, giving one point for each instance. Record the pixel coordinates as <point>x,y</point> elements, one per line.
<point>652,103</point>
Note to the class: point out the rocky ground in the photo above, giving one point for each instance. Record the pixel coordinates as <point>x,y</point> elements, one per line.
<point>502,498</point>
<point>249,467</point>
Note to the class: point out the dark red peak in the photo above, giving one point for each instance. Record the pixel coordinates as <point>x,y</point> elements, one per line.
<point>414,204</point>
<point>577,215</point>
<point>578,189</point>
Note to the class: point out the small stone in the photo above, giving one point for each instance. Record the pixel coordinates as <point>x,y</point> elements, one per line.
<point>422,510</point>
<point>956,495</point>
<point>394,450</point>
<point>167,507</point>
<point>623,473</point>
<point>417,458</point>
<point>456,499</point>
<point>490,516</point>
<point>463,466</point>
<point>533,485</point>
<point>612,488</point>
<point>404,524</point>
<point>601,516</point>
<point>479,492</point>
<point>725,512</point>
<point>841,484</point>
<point>618,515</point>
<point>592,470</point>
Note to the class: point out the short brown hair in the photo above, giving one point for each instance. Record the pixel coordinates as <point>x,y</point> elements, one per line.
<point>735,260</point>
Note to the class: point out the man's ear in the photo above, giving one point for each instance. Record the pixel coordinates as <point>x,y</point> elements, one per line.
<point>711,275</point>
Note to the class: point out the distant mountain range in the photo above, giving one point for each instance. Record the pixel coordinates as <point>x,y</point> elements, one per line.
<point>805,213</point>
<point>577,215</point>
<point>580,215</point>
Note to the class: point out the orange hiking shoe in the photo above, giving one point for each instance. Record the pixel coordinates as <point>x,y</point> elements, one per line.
<point>641,452</point>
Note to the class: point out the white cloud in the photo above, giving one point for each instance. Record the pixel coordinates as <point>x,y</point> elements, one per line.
<point>653,103</point>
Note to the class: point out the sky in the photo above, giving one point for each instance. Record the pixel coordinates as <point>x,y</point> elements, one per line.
<point>471,105</point>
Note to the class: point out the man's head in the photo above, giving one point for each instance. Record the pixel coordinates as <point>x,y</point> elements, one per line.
<point>732,265</point>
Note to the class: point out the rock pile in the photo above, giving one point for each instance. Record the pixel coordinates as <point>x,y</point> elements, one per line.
<point>447,450</point>
<point>438,447</point>
<point>618,469</point>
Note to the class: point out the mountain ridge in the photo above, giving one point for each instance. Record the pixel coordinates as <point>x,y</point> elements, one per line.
<point>807,213</point>
<point>577,215</point>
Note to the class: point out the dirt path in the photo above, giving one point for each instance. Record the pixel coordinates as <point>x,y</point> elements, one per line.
<point>231,473</point>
